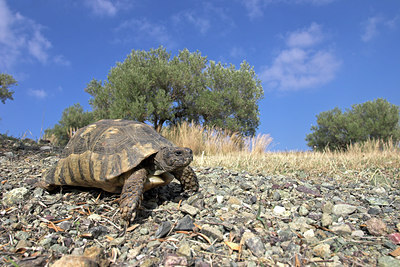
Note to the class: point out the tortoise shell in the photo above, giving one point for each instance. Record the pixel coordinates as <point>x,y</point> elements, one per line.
<point>104,153</point>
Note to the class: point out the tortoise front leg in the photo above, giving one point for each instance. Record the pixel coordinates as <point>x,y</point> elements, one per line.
<point>131,194</point>
<point>188,179</point>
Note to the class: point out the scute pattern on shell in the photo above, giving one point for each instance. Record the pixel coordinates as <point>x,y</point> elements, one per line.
<point>99,153</point>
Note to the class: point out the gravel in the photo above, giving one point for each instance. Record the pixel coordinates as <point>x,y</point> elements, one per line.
<point>236,219</point>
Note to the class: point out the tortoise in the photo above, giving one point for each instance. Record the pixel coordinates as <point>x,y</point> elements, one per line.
<point>121,156</point>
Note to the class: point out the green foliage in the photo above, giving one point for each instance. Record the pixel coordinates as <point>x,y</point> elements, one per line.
<point>73,118</point>
<point>376,119</point>
<point>6,81</point>
<point>152,86</point>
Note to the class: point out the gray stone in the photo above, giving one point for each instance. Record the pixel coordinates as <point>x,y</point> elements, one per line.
<point>276,196</point>
<point>154,243</point>
<point>387,261</point>
<point>303,211</point>
<point>58,248</point>
<point>256,246</point>
<point>185,224</point>
<point>22,235</point>
<point>38,192</point>
<point>377,201</point>
<point>327,208</point>
<point>357,233</point>
<point>163,229</point>
<point>15,196</point>
<point>212,231</point>
<point>184,249</point>
<point>65,225</point>
<point>374,211</point>
<point>343,209</point>
<point>144,231</point>
<point>186,208</point>
<point>341,229</point>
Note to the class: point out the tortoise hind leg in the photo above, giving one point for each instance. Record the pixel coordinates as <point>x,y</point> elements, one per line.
<point>188,179</point>
<point>47,182</point>
<point>131,194</point>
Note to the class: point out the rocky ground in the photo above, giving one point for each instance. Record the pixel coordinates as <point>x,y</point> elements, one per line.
<point>236,219</point>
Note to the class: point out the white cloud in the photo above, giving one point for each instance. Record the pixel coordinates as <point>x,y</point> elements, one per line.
<point>21,39</point>
<point>38,46</point>
<point>102,7</point>
<point>374,25</point>
<point>40,93</point>
<point>302,64</point>
<point>306,37</point>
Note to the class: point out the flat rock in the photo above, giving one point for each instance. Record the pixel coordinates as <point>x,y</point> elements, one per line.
<point>343,209</point>
<point>14,196</point>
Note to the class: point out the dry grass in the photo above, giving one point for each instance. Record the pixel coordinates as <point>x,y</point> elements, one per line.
<point>214,141</point>
<point>373,161</point>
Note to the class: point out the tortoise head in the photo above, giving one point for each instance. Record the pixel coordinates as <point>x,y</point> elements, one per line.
<point>173,158</point>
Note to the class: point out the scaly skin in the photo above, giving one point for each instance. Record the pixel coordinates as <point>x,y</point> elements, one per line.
<point>131,194</point>
<point>188,179</point>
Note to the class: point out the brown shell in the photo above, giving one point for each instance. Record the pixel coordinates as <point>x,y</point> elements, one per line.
<point>101,153</point>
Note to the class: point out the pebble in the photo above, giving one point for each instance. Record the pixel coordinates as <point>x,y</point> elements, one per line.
<point>279,210</point>
<point>343,209</point>
<point>376,227</point>
<point>341,229</point>
<point>256,246</point>
<point>163,229</point>
<point>322,250</point>
<point>326,220</point>
<point>186,208</point>
<point>212,231</point>
<point>184,249</point>
<point>185,224</point>
<point>309,234</point>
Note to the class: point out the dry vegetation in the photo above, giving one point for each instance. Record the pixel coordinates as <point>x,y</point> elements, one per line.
<point>373,161</point>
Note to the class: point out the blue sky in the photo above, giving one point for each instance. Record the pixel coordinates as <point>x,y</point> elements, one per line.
<point>311,55</point>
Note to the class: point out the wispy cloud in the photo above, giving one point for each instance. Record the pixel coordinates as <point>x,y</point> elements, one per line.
<point>136,30</point>
<point>374,25</point>
<point>21,39</point>
<point>204,17</point>
<point>255,7</point>
<point>40,93</point>
<point>107,8</point>
<point>302,64</point>
<point>201,23</point>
